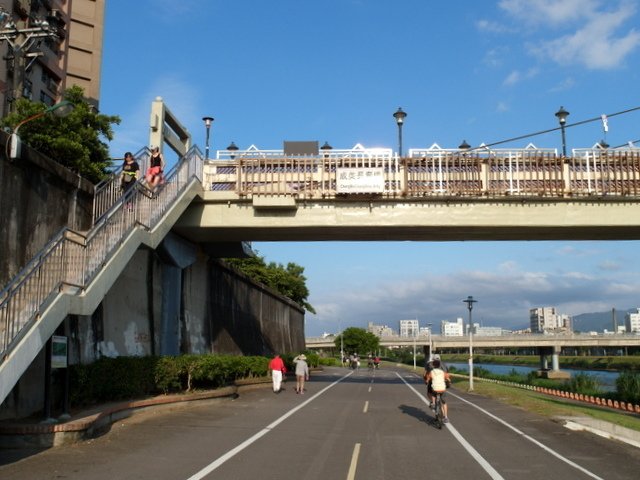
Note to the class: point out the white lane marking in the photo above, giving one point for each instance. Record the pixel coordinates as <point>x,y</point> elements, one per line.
<point>369,389</point>
<point>216,463</point>
<point>493,473</point>
<point>354,462</point>
<point>366,407</point>
<point>531,439</point>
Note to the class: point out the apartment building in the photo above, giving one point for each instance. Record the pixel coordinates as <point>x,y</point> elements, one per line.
<point>409,328</point>
<point>47,46</point>
<point>632,321</point>
<point>545,319</point>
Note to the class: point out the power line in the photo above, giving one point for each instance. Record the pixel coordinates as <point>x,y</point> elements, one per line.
<point>542,132</point>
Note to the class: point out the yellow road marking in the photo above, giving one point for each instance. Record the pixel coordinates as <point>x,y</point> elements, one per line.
<point>354,462</point>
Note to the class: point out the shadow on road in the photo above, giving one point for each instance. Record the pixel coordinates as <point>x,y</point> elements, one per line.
<point>419,414</point>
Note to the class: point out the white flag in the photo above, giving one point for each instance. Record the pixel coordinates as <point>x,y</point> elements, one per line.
<point>605,124</point>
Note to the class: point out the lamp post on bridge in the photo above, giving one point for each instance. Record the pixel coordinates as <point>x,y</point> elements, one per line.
<point>429,325</point>
<point>562,115</point>
<point>400,116</point>
<point>470,301</point>
<point>207,125</point>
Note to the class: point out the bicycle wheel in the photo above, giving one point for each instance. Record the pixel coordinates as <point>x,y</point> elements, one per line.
<point>439,414</point>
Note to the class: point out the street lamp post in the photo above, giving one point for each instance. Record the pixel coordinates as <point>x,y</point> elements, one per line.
<point>562,115</point>
<point>414,347</point>
<point>207,124</point>
<point>470,301</point>
<point>429,325</point>
<point>399,115</point>
<point>15,145</point>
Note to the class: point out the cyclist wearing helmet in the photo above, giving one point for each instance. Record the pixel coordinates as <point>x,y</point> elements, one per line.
<point>428,369</point>
<point>437,380</point>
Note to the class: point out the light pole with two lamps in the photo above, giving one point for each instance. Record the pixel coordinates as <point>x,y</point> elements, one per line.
<point>562,115</point>
<point>207,125</point>
<point>470,301</point>
<point>399,115</point>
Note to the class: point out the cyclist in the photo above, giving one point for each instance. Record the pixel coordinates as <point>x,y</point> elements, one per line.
<point>437,381</point>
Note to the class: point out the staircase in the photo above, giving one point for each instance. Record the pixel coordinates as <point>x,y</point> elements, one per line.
<point>74,271</point>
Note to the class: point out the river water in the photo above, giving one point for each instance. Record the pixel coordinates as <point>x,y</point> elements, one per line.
<point>607,379</point>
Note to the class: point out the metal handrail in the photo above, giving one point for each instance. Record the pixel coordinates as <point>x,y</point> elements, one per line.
<point>108,191</point>
<point>73,259</point>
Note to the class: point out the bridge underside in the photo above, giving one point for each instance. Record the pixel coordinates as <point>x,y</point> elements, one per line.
<point>229,218</point>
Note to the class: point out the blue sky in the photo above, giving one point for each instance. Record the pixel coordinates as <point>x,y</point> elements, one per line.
<point>336,70</point>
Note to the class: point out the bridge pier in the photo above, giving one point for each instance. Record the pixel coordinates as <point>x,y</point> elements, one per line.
<point>553,372</point>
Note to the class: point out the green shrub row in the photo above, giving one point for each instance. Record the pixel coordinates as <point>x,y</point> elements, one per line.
<point>121,378</point>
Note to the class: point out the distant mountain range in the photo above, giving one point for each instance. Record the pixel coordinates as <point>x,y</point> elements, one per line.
<point>599,321</point>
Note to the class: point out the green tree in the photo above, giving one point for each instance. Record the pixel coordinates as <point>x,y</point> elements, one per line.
<point>289,281</point>
<point>75,140</point>
<point>358,340</point>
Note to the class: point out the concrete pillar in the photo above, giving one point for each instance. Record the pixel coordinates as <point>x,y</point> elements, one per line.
<point>170,316</point>
<point>543,358</point>
<point>176,254</point>
<point>555,360</point>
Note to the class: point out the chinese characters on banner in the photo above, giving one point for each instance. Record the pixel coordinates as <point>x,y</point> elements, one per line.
<point>360,180</point>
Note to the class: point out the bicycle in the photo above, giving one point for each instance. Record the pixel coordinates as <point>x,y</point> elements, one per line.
<point>438,403</point>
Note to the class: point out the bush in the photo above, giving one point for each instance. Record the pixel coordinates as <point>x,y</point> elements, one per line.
<point>123,378</point>
<point>628,386</point>
<point>585,384</point>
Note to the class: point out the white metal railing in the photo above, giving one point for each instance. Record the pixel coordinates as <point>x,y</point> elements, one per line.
<point>74,259</point>
<point>432,172</point>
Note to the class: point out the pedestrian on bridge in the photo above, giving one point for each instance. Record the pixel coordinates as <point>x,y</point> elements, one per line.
<point>276,365</point>
<point>155,171</point>
<point>130,169</point>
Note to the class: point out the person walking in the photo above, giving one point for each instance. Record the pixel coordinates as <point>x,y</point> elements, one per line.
<point>276,365</point>
<point>302,372</point>
<point>130,169</point>
<point>154,175</point>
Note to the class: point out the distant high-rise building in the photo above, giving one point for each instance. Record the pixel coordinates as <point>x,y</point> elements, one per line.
<point>632,321</point>
<point>452,329</point>
<point>48,46</point>
<point>380,330</point>
<point>409,328</point>
<point>545,319</point>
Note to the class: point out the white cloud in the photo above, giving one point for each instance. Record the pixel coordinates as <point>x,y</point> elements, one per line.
<point>598,39</point>
<point>491,26</point>
<point>549,11</point>
<point>595,46</point>
<point>517,76</point>
<point>502,107</point>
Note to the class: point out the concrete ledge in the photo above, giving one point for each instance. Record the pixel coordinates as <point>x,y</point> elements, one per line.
<point>87,425</point>
<point>603,429</point>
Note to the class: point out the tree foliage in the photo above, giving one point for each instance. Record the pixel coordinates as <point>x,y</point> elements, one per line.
<point>75,140</point>
<point>289,281</point>
<point>357,340</point>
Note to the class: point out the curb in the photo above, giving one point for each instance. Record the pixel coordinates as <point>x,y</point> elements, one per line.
<point>598,401</point>
<point>46,435</point>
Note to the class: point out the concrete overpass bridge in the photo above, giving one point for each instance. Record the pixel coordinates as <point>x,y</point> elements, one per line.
<point>431,194</point>
<point>545,345</point>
